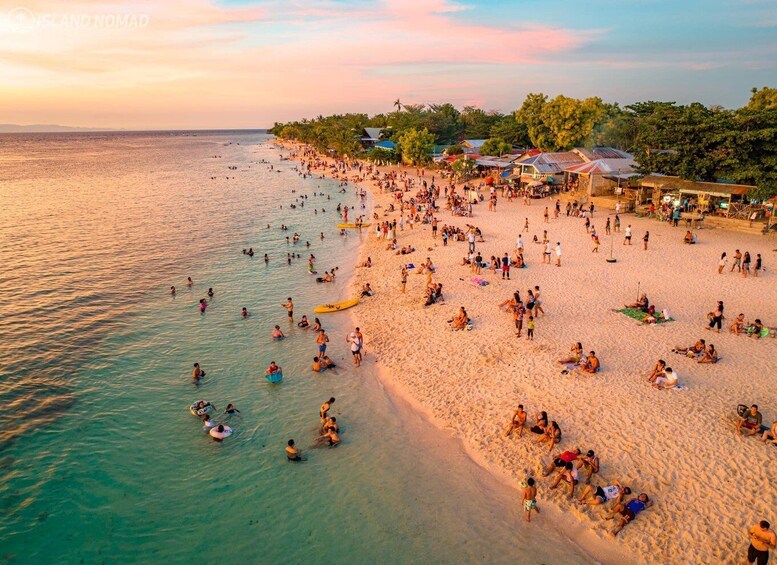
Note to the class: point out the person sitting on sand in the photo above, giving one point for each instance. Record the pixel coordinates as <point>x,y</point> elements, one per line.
<point>518,422</point>
<point>576,354</point>
<point>277,333</point>
<point>303,323</point>
<point>460,320</point>
<point>756,329</point>
<point>688,237</point>
<point>770,435</point>
<point>568,475</point>
<point>692,351</point>
<point>367,263</point>
<point>591,365</point>
<point>392,246</point>
<point>560,461</point>
<point>627,512</point>
<point>589,463</point>
<point>366,290</point>
<point>540,423</point>
<point>552,435</point>
<point>642,304</point>
<point>510,304</point>
<point>751,421</point>
<point>667,380</point>
<point>601,495</point>
<point>709,356</point>
<point>738,326</point>
<point>658,371</point>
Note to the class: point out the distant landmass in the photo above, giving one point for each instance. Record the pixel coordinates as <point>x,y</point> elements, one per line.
<point>45,128</point>
<point>54,128</point>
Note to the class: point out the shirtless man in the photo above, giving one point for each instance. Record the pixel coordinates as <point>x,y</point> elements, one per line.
<point>601,495</point>
<point>771,434</point>
<point>322,339</point>
<point>762,539</point>
<point>568,475</point>
<point>529,499</point>
<point>197,373</point>
<point>627,512</point>
<point>589,463</point>
<point>289,305</point>
<point>696,349</point>
<point>325,407</point>
<point>591,365</point>
<point>518,422</point>
<point>292,453</point>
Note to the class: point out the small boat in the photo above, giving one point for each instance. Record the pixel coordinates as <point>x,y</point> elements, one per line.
<point>275,377</point>
<point>336,307</point>
<point>352,226</point>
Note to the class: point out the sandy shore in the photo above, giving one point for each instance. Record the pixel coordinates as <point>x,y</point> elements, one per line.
<point>679,446</point>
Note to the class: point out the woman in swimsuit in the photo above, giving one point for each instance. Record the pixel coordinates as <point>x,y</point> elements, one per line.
<point>574,358</point>
<point>541,423</point>
<point>710,355</point>
<point>552,435</point>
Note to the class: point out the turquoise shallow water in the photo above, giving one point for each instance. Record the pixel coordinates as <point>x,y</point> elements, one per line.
<point>100,459</point>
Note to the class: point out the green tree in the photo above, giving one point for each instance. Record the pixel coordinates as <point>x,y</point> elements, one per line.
<point>509,129</point>
<point>476,123</point>
<point>530,116</point>
<point>416,146</point>
<point>464,167</point>
<point>764,99</point>
<point>454,149</point>
<point>495,147</point>
<point>442,120</point>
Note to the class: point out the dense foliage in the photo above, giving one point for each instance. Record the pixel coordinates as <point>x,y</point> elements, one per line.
<point>692,141</point>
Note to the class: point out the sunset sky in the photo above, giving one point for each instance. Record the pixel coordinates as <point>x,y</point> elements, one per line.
<point>206,64</point>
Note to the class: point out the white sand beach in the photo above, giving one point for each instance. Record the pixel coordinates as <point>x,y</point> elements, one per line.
<point>708,484</point>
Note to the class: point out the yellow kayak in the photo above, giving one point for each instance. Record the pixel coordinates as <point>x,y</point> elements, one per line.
<point>351,226</point>
<point>336,307</point>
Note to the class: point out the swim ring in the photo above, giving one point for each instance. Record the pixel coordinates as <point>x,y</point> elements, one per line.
<point>275,377</point>
<point>200,412</point>
<point>218,436</point>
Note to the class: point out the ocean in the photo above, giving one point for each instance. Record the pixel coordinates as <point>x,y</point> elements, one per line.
<point>102,461</point>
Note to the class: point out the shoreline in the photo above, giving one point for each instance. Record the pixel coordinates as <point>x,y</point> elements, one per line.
<point>470,382</point>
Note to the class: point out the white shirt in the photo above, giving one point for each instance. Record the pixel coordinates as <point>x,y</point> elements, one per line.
<point>558,250</point>
<point>628,231</point>
<point>611,492</point>
<point>519,242</point>
<point>472,237</point>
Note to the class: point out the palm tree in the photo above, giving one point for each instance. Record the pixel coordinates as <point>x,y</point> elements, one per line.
<point>398,104</point>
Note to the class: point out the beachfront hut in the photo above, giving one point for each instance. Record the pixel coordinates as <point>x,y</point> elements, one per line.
<point>706,197</point>
<point>546,168</point>
<point>370,136</point>
<point>601,176</point>
<point>472,146</point>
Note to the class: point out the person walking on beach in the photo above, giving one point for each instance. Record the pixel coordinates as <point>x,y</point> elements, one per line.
<point>645,240</point>
<point>404,279</point>
<point>526,225</point>
<point>547,253</point>
<point>762,539</point>
<point>617,224</point>
<point>627,239</point>
<point>289,305</point>
<point>545,215</point>
<point>607,227</point>
<point>529,499</point>
<point>758,264</point>
<point>506,267</point>
<point>558,254</point>
<point>434,228</point>
<point>746,264</point>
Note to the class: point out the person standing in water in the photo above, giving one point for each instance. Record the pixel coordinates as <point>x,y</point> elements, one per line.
<point>289,305</point>
<point>197,372</point>
<point>292,453</point>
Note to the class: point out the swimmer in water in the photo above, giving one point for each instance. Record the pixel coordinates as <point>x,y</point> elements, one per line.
<point>303,323</point>
<point>292,453</point>
<point>197,373</point>
<point>322,236</point>
<point>244,312</point>
<point>277,333</point>
<point>266,258</point>
<point>189,281</point>
<point>210,292</point>
<point>323,412</point>
<point>203,305</point>
<point>172,290</point>
<point>250,251</point>
<point>273,368</point>
<point>231,409</point>
<point>307,244</point>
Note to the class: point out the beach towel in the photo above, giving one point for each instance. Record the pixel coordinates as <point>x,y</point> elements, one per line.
<point>638,314</point>
<point>478,281</point>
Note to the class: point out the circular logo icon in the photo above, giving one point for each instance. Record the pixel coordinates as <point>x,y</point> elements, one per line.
<point>20,20</point>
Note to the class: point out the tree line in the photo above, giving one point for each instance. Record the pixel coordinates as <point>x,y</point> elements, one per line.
<point>691,141</point>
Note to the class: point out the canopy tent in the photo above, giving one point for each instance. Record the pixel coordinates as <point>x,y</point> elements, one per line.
<point>603,166</point>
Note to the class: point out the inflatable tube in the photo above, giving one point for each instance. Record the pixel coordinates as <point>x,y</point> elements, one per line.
<point>275,377</point>
<point>218,436</point>
<point>194,411</point>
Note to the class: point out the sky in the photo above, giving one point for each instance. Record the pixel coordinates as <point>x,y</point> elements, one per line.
<point>170,64</point>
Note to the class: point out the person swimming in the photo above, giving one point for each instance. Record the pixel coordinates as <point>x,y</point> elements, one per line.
<point>244,312</point>
<point>172,290</point>
<point>250,251</point>
<point>203,305</point>
<point>189,281</point>
<point>231,409</point>
<point>210,293</point>
<point>303,323</point>
<point>277,333</point>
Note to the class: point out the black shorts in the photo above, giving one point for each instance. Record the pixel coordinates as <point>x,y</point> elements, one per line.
<point>559,462</point>
<point>757,556</point>
<point>628,514</point>
<point>599,493</point>
<point>628,237</point>
<point>291,313</point>
<point>357,352</point>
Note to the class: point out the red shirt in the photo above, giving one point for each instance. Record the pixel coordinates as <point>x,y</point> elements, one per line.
<point>568,456</point>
